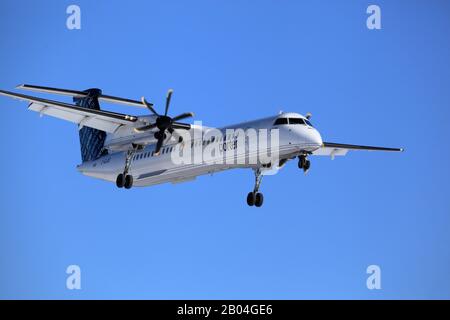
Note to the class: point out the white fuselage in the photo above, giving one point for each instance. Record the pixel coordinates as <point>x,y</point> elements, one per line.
<point>149,169</point>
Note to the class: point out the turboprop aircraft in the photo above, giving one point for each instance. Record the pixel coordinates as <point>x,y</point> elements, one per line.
<point>132,150</point>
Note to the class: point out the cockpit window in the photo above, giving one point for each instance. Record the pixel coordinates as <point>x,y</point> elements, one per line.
<point>280,121</point>
<point>296,121</point>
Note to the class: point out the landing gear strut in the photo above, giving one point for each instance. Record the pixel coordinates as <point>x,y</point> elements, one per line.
<point>304,163</point>
<point>124,179</point>
<point>255,198</point>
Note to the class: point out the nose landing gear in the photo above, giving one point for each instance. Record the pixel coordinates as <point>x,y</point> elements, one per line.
<point>304,163</point>
<point>255,198</point>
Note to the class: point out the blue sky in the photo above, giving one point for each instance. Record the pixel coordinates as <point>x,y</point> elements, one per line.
<point>230,61</point>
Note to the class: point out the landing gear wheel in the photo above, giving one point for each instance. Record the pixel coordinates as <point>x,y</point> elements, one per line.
<point>302,161</point>
<point>306,165</point>
<point>128,181</point>
<point>259,199</point>
<point>251,198</point>
<point>120,180</point>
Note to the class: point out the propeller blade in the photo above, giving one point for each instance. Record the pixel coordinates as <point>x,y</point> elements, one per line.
<point>159,144</point>
<point>169,96</point>
<point>149,106</point>
<point>145,128</point>
<point>183,116</point>
<point>181,126</point>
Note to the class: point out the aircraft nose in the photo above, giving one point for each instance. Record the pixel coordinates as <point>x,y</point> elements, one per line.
<point>315,138</point>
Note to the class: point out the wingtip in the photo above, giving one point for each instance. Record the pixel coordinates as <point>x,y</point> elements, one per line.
<point>20,86</point>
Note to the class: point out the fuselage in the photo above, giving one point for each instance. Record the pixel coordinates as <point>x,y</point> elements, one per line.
<point>294,137</point>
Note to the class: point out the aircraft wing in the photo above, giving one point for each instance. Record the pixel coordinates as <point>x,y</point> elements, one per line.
<point>340,149</point>
<point>98,119</point>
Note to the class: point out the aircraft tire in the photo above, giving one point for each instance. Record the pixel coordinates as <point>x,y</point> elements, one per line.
<point>259,199</point>
<point>120,180</point>
<point>251,199</point>
<point>128,181</point>
<point>307,165</point>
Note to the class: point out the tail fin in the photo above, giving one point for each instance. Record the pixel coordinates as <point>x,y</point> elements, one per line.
<point>91,140</point>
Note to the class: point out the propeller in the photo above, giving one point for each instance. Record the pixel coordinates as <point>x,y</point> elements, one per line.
<point>164,123</point>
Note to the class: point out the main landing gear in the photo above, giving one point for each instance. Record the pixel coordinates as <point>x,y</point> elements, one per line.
<point>124,179</point>
<point>304,163</point>
<point>255,198</point>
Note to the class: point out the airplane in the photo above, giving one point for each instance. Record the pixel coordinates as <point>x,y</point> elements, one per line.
<point>134,150</point>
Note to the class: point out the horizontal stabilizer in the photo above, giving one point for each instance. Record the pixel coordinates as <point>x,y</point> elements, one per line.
<point>81,94</point>
<point>98,119</point>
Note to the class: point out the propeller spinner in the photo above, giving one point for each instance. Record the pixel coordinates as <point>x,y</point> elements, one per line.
<point>164,123</point>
